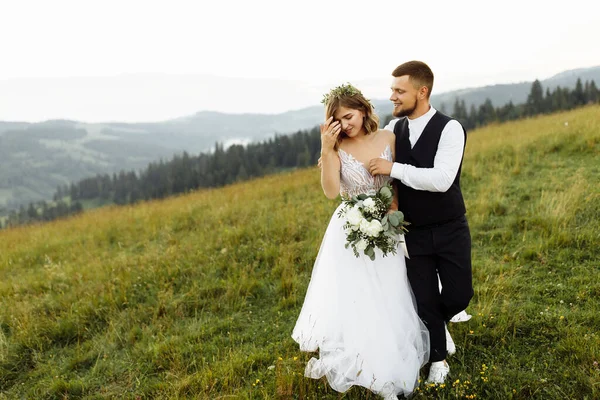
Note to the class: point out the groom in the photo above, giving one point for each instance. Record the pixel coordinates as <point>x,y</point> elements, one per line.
<point>429,154</point>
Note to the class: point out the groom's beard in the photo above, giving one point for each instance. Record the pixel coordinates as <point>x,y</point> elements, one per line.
<point>406,112</point>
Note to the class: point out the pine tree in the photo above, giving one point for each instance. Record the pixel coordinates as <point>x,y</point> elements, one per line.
<point>578,95</point>
<point>548,101</point>
<point>593,93</point>
<point>487,112</point>
<point>471,121</point>
<point>460,110</point>
<point>242,175</point>
<point>535,99</point>
<point>32,213</point>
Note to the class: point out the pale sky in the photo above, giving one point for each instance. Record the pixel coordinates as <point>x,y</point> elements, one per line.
<point>268,56</point>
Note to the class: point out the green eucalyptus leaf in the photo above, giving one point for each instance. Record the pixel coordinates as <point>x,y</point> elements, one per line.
<point>386,192</point>
<point>400,215</point>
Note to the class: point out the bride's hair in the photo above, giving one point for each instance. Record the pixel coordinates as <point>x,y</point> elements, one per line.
<point>350,97</point>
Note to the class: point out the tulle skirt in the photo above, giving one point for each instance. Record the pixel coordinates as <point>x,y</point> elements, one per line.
<point>361,317</point>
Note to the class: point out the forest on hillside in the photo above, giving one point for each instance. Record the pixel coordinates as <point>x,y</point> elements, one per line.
<point>223,166</point>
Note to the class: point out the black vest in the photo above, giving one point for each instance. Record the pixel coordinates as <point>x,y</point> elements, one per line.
<point>421,207</point>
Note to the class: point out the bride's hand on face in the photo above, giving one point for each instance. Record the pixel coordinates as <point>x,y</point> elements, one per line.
<point>329,134</point>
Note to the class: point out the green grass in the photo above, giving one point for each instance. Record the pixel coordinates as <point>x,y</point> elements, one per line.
<point>196,296</point>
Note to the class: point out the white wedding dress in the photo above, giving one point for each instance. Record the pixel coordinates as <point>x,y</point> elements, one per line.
<point>361,314</point>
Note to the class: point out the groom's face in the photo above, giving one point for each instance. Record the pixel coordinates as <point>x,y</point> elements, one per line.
<point>404,96</point>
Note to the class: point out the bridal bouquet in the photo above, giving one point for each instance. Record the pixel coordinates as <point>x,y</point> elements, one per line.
<point>369,225</point>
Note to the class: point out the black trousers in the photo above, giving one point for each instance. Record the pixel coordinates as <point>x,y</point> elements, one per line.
<point>444,250</point>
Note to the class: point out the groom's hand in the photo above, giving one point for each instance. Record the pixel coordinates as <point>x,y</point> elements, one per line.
<point>379,166</point>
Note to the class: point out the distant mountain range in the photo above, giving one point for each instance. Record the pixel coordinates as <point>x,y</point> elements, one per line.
<point>37,157</point>
<point>517,92</point>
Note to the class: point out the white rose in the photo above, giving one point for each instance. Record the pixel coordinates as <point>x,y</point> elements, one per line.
<point>364,226</point>
<point>368,202</point>
<point>361,245</point>
<point>370,205</point>
<point>374,228</point>
<point>354,216</point>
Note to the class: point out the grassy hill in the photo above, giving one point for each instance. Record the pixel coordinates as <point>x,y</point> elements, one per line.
<point>196,296</point>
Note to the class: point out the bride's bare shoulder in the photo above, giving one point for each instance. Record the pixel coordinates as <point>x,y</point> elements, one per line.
<point>387,136</point>
<point>385,132</point>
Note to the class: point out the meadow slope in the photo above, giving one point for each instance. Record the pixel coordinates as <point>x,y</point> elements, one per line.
<point>196,296</point>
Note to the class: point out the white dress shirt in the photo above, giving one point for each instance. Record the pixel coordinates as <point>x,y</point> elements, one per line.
<point>447,158</point>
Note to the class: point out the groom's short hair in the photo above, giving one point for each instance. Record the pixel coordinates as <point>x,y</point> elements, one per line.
<point>420,74</point>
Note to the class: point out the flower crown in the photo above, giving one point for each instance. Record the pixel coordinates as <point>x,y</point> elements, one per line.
<point>344,90</point>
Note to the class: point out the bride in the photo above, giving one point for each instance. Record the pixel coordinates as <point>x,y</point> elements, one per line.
<point>359,314</point>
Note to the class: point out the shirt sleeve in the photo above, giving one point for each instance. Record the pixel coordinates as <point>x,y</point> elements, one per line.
<point>390,126</point>
<point>445,164</point>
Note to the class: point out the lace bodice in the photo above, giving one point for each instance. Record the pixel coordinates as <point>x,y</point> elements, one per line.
<point>356,179</point>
